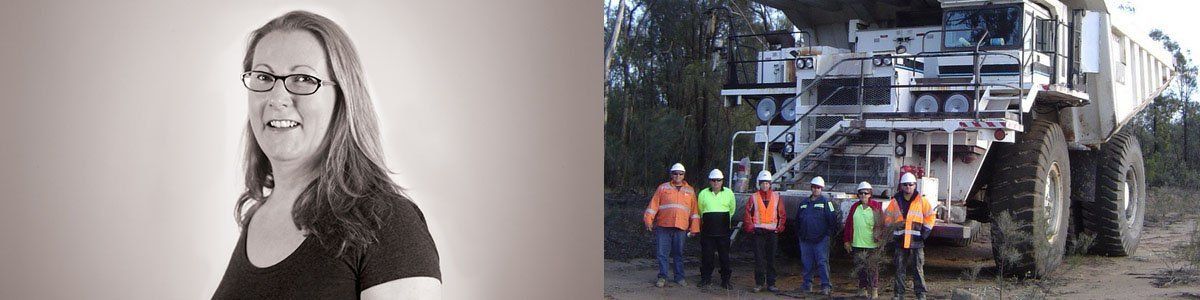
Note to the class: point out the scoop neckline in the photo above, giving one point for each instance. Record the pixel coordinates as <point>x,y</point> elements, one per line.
<point>245,253</point>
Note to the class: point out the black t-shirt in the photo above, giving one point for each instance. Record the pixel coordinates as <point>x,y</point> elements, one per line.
<point>405,249</point>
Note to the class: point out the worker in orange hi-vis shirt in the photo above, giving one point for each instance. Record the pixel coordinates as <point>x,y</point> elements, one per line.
<point>673,217</point>
<point>763,219</point>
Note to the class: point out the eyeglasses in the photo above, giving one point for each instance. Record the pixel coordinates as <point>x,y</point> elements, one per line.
<point>816,187</point>
<point>714,180</point>
<point>677,173</point>
<point>864,193</point>
<point>908,184</point>
<point>298,84</point>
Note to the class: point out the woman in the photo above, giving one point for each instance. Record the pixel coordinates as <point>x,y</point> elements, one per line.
<point>862,235</point>
<point>320,217</point>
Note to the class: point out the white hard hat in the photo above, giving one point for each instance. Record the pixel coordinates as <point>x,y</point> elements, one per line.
<point>818,181</point>
<point>864,186</point>
<point>764,175</point>
<point>716,174</point>
<point>908,178</point>
<point>677,167</point>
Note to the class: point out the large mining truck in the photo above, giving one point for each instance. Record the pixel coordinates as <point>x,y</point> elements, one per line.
<point>999,107</point>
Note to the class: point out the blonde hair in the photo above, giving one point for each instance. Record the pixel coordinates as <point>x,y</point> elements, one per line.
<point>342,207</point>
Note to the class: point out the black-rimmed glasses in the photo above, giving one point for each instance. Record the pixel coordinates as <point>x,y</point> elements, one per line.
<point>298,84</point>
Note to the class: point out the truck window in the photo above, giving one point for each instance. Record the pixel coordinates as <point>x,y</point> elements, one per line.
<point>965,27</point>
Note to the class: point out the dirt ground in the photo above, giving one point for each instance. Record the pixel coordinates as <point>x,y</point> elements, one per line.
<point>630,270</point>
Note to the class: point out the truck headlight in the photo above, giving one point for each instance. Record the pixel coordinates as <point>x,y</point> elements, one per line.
<point>926,103</point>
<point>957,103</point>
<point>766,109</point>
<point>789,110</point>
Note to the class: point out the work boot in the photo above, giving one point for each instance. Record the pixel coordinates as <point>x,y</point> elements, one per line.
<point>826,291</point>
<point>703,282</point>
<point>862,292</point>
<point>920,296</point>
<point>772,289</point>
<point>874,293</point>
<point>725,284</point>
<point>682,283</point>
<point>661,282</point>
<point>758,288</point>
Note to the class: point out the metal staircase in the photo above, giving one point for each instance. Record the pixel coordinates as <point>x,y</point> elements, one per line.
<point>805,163</point>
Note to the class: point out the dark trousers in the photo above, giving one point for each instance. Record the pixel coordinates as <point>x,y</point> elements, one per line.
<point>714,248</point>
<point>765,244</point>
<point>910,262</point>
<point>867,261</point>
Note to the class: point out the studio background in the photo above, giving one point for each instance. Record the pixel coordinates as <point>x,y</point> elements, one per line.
<point>122,129</point>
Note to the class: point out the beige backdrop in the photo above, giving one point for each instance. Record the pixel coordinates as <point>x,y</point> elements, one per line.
<point>121,129</point>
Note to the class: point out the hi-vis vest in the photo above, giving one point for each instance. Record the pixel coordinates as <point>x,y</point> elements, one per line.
<point>673,207</point>
<point>920,213</point>
<point>766,216</point>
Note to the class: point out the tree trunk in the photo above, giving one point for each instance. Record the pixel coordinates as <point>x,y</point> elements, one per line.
<point>612,47</point>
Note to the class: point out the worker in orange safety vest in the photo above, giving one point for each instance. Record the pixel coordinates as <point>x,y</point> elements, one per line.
<point>673,217</point>
<point>763,219</point>
<point>910,218</point>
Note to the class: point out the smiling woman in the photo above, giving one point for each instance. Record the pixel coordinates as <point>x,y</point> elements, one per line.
<point>320,216</point>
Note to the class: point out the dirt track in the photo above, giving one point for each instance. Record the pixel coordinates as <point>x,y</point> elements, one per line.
<point>629,271</point>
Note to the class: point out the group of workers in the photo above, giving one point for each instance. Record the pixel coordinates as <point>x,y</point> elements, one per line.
<point>677,212</point>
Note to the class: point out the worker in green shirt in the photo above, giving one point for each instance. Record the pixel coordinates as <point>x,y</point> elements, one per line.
<point>861,235</point>
<point>716,211</point>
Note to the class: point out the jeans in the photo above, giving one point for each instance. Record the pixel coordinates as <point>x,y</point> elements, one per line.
<point>711,246</point>
<point>815,257</point>
<point>765,244</point>
<point>669,242</point>
<point>910,262</point>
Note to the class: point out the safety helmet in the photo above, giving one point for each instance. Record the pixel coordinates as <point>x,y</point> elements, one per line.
<point>764,175</point>
<point>908,178</point>
<point>818,181</point>
<point>864,186</point>
<point>716,174</point>
<point>677,167</point>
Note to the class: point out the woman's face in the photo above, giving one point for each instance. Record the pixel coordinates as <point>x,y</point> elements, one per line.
<point>290,127</point>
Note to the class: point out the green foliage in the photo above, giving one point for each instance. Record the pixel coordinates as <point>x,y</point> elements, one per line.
<point>662,94</point>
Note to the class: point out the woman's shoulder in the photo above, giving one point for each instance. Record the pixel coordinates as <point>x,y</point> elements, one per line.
<point>402,218</point>
<point>403,246</point>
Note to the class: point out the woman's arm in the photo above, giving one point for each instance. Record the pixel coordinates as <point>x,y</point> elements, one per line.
<point>405,288</point>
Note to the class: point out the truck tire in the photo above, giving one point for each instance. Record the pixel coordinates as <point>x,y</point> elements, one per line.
<point>1116,216</point>
<point>1031,182</point>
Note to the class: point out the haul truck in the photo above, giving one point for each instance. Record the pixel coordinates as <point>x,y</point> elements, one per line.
<point>999,107</point>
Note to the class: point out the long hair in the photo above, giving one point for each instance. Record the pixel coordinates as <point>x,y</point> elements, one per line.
<point>342,207</point>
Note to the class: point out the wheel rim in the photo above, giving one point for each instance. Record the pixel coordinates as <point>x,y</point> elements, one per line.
<point>1129,198</point>
<point>1051,202</point>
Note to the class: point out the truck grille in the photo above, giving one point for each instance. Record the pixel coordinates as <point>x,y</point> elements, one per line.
<point>849,95</point>
<point>854,169</point>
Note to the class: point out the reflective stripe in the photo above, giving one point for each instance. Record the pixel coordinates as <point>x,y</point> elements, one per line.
<point>695,216</point>
<point>679,206</point>
<point>913,232</point>
<point>766,226</point>
<point>650,211</point>
<point>898,232</point>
